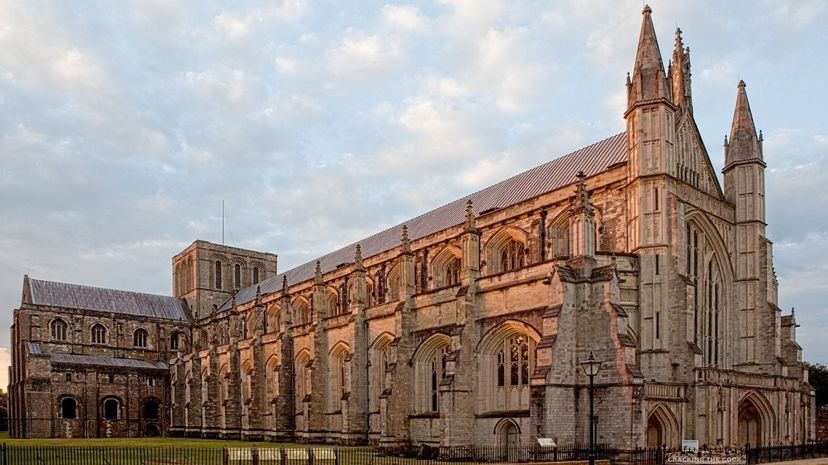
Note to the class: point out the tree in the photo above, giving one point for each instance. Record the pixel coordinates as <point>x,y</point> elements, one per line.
<point>818,377</point>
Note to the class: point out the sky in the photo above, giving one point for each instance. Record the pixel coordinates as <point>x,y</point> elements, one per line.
<point>124,125</point>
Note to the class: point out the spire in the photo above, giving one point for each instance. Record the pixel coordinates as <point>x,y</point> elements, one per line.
<point>470,224</point>
<point>258,295</point>
<point>649,81</point>
<point>680,74</point>
<point>317,273</point>
<point>284,285</point>
<point>358,265</point>
<point>405,241</point>
<point>743,144</point>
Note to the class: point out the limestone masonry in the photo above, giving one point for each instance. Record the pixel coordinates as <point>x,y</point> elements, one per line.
<point>465,325</point>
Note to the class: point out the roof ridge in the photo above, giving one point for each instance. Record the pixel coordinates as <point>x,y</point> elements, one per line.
<point>103,288</point>
<point>562,163</point>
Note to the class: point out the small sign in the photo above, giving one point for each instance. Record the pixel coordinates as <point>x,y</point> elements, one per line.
<point>547,442</point>
<point>690,445</point>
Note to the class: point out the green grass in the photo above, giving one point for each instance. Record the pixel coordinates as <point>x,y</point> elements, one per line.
<point>139,442</point>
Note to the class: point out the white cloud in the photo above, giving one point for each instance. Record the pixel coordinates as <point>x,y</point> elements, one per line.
<point>364,55</point>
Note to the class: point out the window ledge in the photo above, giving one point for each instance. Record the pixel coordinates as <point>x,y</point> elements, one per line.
<point>425,415</point>
<point>504,413</point>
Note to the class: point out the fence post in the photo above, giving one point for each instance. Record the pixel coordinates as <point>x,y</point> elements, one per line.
<point>5,456</point>
<point>225,459</point>
<point>254,454</point>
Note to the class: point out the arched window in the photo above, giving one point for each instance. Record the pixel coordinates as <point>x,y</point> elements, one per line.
<point>151,408</point>
<point>237,276</point>
<point>139,338</point>
<point>506,251</point>
<point>58,329</point>
<point>255,275</point>
<point>558,234</point>
<point>331,304</point>
<point>175,340</point>
<point>98,334</point>
<point>247,382</point>
<point>273,320</point>
<point>430,366</point>
<point>512,256</point>
<point>68,408</point>
<point>272,376</point>
<point>445,268</point>
<point>111,409</point>
<point>507,359</point>
<point>394,282</point>
<point>301,311</point>
<point>337,381</point>
<point>217,274</point>
<point>704,270</point>
<point>224,393</point>
<point>379,357</point>
<point>302,377</point>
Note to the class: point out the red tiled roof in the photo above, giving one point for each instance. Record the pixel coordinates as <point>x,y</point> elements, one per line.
<point>550,176</point>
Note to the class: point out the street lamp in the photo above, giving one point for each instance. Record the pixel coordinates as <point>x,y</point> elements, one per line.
<point>591,368</point>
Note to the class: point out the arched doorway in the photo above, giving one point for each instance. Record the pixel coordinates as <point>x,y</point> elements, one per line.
<point>655,433</point>
<point>508,438</point>
<point>750,424</point>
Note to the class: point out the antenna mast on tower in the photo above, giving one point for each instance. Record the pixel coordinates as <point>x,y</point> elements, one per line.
<point>222,221</point>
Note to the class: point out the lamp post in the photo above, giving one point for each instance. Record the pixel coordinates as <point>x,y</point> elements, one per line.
<point>591,368</point>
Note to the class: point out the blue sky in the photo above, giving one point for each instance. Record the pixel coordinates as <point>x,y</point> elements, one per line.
<point>123,125</point>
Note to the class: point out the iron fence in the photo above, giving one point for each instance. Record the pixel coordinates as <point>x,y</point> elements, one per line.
<point>423,455</point>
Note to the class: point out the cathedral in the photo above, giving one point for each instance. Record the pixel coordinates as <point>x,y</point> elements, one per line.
<point>467,324</point>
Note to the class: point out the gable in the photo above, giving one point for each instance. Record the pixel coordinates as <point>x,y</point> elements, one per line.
<point>692,163</point>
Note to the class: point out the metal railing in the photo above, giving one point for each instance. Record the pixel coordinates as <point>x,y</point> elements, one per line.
<point>18,454</point>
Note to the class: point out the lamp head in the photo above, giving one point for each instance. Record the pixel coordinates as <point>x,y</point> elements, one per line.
<point>591,365</point>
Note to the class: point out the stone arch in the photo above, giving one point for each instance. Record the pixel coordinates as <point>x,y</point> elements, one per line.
<point>68,407</point>
<point>429,367</point>
<point>712,272</point>
<point>700,220</point>
<point>755,420</point>
<point>506,359</point>
<point>394,283</point>
<point>369,291</point>
<point>151,408</point>
<point>662,427</point>
<point>506,250</point>
<point>273,318</point>
<point>379,357</point>
<point>507,435</point>
<point>218,263</point>
<point>302,378</point>
<point>58,329</point>
<point>111,407</point>
<point>338,358</point>
<point>445,267</point>
<point>301,311</point>
<point>99,333</point>
<point>272,376</point>
<point>330,301</point>
<point>247,381</point>
<point>224,392</point>
<point>557,234</point>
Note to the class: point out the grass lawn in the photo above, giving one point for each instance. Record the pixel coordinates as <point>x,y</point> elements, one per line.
<point>139,442</point>
<point>152,451</point>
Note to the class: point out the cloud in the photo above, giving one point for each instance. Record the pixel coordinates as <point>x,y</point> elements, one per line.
<point>5,361</point>
<point>123,129</point>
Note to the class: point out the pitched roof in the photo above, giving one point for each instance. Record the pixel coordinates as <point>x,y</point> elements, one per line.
<point>54,294</point>
<point>550,176</point>
<point>103,361</point>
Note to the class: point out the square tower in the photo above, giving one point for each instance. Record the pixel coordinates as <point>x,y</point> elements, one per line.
<point>207,274</point>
